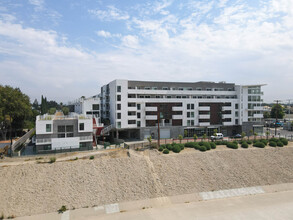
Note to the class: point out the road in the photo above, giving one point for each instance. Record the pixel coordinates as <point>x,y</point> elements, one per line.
<point>277,205</point>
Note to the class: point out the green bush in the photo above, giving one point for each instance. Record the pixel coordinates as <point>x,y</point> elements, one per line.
<point>259,144</point>
<point>274,139</point>
<point>202,148</point>
<point>218,142</point>
<point>165,151</point>
<point>232,145</point>
<point>200,143</point>
<point>52,159</point>
<point>176,148</point>
<point>62,209</point>
<point>284,141</point>
<point>161,148</point>
<point>264,141</point>
<point>249,142</point>
<point>273,144</point>
<point>169,146</point>
<point>189,145</point>
<point>181,146</point>
<point>213,145</point>
<point>207,145</point>
<point>280,144</point>
<point>92,157</point>
<point>244,145</point>
<point>224,142</point>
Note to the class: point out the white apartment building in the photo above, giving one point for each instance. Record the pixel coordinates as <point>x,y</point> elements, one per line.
<point>87,106</point>
<point>58,132</point>
<point>133,107</point>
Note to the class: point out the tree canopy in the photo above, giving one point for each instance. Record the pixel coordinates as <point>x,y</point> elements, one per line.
<point>277,111</point>
<point>14,108</point>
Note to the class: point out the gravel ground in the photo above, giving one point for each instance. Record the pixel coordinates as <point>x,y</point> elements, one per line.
<point>38,188</point>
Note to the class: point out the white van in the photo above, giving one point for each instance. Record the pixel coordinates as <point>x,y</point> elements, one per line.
<point>218,136</point>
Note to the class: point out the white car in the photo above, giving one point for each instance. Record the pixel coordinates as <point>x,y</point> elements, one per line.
<point>218,136</point>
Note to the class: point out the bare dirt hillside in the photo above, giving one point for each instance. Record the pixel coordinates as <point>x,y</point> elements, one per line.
<point>38,188</point>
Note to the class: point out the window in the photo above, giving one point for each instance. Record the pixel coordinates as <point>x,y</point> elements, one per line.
<point>165,88</point>
<point>119,124</point>
<point>236,106</point>
<point>61,128</point>
<point>69,128</point>
<point>118,88</point>
<point>192,106</point>
<point>118,97</point>
<point>96,107</point>
<point>138,123</point>
<point>118,115</point>
<point>131,104</point>
<point>69,134</point>
<point>48,128</point>
<point>192,114</point>
<point>188,114</point>
<point>138,114</point>
<point>236,114</point>
<point>131,113</point>
<point>192,122</point>
<point>181,89</point>
<point>209,89</point>
<point>131,122</point>
<point>118,106</point>
<point>61,135</point>
<point>81,126</point>
<point>138,106</point>
<point>188,106</point>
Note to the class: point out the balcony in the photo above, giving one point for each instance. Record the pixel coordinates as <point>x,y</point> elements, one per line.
<point>151,117</point>
<point>204,116</point>
<point>151,109</point>
<point>258,115</point>
<point>86,138</point>
<point>177,116</point>
<point>204,108</point>
<point>177,108</point>
<point>258,108</point>
<point>204,124</point>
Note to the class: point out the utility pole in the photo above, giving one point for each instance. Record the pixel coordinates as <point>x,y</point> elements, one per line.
<point>158,126</point>
<point>276,116</point>
<point>289,100</point>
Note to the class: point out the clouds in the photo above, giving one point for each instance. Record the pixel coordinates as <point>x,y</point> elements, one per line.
<point>112,13</point>
<point>224,40</point>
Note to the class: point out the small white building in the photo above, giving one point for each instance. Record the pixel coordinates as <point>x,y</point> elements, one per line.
<point>59,132</point>
<point>87,106</point>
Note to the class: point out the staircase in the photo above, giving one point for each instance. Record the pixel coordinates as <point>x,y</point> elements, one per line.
<point>106,130</point>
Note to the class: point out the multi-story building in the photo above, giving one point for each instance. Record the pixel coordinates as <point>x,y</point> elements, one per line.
<point>59,132</point>
<point>87,106</point>
<point>135,108</point>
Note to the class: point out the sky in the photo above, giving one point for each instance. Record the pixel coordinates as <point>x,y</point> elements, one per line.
<point>65,49</point>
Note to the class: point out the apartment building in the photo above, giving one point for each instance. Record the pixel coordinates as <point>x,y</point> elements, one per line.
<point>59,132</point>
<point>87,106</point>
<point>135,108</point>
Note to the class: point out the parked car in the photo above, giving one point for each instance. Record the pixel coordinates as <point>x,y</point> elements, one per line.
<point>218,136</point>
<point>237,136</point>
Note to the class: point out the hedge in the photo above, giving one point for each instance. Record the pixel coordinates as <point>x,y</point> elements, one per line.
<point>279,143</point>
<point>166,151</point>
<point>244,144</point>
<point>273,144</point>
<point>232,145</point>
<point>259,144</point>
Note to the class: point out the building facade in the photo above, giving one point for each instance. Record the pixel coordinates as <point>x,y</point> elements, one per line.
<point>87,106</point>
<point>59,132</point>
<point>135,108</point>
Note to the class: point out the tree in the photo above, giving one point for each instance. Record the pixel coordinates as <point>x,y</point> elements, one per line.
<point>15,107</point>
<point>255,134</point>
<point>267,134</point>
<point>194,137</point>
<point>180,137</point>
<point>150,140</point>
<point>215,132</point>
<point>250,133</point>
<point>277,111</point>
<point>52,111</point>
<point>35,105</point>
<point>266,115</point>
<point>243,134</point>
<point>204,136</point>
<point>185,133</point>
<point>65,110</point>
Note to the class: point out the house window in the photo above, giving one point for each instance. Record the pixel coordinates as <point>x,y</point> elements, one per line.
<point>96,107</point>
<point>138,123</point>
<point>188,106</point>
<point>138,114</point>
<point>192,122</point>
<point>118,88</point>
<point>192,114</point>
<point>48,128</point>
<point>188,114</point>
<point>81,126</point>
<point>131,122</point>
<point>61,128</point>
<point>236,106</point>
<point>119,124</point>
<point>192,106</point>
<point>118,97</point>
<point>118,115</point>
<point>118,106</point>
<point>138,106</point>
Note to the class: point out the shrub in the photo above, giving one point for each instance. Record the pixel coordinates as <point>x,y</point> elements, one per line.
<point>62,209</point>
<point>176,149</point>
<point>284,141</point>
<point>259,144</point>
<point>92,157</point>
<point>202,148</point>
<point>207,145</point>
<point>244,145</point>
<point>224,142</point>
<point>161,148</point>
<point>218,142</point>
<point>181,146</point>
<point>249,142</point>
<point>213,145</point>
<point>232,145</point>
<point>52,159</point>
<point>264,141</point>
<point>280,144</point>
<point>274,139</point>
<point>169,146</point>
<point>273,144</point>
<point>200,143</point>
<point>165,151</point>
<point>189,144</point>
